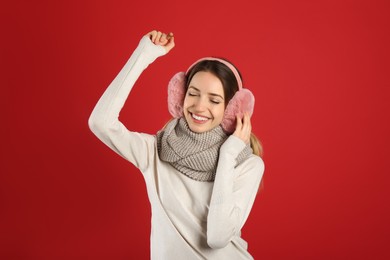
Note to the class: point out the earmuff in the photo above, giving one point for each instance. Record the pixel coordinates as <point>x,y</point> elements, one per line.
<point>242,101</point>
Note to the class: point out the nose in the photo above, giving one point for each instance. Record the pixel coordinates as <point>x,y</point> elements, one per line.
<point>200,104</point>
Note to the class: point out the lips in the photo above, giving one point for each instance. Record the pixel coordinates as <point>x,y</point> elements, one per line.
<point>199,119</point>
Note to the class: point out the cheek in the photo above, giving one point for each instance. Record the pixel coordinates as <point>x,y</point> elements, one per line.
<point>219,113</point>
<point>185,102</point>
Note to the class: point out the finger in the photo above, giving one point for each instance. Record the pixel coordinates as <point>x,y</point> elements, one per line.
<point>249,124</point>
<point>237,130</point>
<point>249,129</point>
<point>170,35</point>
<point>238,123</point>
<point>171,43</point>
<point>163,38</point>
<point>152,35</point>
<point>158,36</point>
<point>246,129</point>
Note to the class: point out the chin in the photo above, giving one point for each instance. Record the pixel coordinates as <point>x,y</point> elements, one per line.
<point>197,129</point>
<point>200,129</point>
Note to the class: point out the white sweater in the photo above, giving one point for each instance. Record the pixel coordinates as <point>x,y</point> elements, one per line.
<point>190,219</point>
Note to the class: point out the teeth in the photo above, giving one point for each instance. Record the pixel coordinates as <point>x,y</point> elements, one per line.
<point>199,117</point>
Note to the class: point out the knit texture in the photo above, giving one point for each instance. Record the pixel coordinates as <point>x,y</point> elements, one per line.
<point>193,154</point>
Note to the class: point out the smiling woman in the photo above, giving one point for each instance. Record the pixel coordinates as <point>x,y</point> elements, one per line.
<point>203,169</point>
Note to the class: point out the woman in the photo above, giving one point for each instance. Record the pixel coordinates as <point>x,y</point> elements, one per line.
<point>200,171</point>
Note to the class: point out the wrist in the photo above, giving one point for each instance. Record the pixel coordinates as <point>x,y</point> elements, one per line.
<point>151,50</point>
<point>232,146</point>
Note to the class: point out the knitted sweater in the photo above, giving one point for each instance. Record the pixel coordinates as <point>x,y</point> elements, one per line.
<point>190,219</point>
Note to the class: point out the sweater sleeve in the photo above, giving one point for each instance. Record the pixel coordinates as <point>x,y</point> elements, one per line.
<point>104,120</point>
<point>233,193</point>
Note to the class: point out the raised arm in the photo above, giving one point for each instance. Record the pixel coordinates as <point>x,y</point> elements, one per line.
<point>104,120</point>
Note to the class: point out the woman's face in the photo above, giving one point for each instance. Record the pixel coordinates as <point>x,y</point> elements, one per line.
<point>204,103</point>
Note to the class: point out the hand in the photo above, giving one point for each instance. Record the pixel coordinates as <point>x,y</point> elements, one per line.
<point>165,40</point>
<point>243,128</point>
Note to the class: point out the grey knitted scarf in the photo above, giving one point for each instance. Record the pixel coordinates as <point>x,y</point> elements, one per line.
<point>193,154</point>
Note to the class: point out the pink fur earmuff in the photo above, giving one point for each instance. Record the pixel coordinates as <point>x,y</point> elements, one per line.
<point>242,101</point>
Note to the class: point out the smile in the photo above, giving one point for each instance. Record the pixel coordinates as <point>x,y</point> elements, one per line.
<point>199,118</point>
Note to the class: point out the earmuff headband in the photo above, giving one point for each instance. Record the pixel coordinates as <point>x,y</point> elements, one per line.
<point>228,64</point>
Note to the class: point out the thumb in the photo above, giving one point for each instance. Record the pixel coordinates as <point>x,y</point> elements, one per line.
<point>238,123</point>
<point>171,43</point>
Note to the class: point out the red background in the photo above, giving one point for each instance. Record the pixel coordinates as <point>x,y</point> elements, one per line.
<point>320,74</point>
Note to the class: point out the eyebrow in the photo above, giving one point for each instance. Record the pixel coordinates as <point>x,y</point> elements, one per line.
<point>211,94</point>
